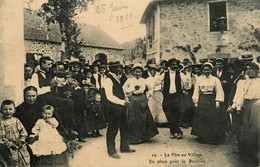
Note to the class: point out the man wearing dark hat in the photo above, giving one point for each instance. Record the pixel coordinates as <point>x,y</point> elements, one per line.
<point>96,77</point>
<point>172,92</point>
<point>121,75</point>
<point>146,72</point>
<point>41,79</point>
<point>164,67</point>
<point>117,107</point>
<point>75,68</point>
<point>196,70</point>
<point>128,71</point>
<point>247,57</point>
<point>186,62</point>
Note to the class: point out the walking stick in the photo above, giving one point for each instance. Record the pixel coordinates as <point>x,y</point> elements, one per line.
<point>18,150</point>
<point>24,162</point>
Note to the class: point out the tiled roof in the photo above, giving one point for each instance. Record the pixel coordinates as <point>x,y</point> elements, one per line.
<point>36,29</point>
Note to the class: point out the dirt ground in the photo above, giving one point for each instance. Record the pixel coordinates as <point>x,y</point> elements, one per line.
<point>158,151</point>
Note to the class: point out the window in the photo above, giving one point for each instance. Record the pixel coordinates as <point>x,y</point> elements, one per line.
<point>218,16</point>
<point>151,32</point>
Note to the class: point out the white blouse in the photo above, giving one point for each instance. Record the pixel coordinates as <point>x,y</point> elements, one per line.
<point>136,86</point>
<point>207,85</point>
<point>187,81</point>
<point>154,82</point>
<point>246,89</point>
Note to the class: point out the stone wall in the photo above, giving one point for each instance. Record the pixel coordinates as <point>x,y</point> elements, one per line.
<point>53,50</point>
<point>183,24</point>
<point>44,48</point>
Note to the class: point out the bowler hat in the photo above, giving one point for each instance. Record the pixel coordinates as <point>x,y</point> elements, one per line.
<point>170,61</point>
<point>154,66</point>
<point>247,56</point>
<point>219,60</point>
<point>114,64</point>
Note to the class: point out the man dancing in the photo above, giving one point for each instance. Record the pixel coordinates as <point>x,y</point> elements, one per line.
<point>117,107</point>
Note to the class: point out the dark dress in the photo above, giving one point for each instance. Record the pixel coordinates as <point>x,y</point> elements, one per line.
<point>98,116</point>
<point>210,121</point>
<point>28,114</point>
<point>141,124</point>
<point>78,97</point>
<point>88,119</point>
<point>248,143</point>
<point>60,160</point>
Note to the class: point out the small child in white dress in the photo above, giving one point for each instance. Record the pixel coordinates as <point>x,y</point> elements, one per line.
<point>49,142</point>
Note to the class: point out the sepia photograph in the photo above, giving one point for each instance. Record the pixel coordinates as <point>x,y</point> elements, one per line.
<point>129,83</point>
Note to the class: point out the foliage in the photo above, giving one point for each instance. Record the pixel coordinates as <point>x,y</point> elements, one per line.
<point>192,52</point>
<point>135,50</point>
<point>63,12</point>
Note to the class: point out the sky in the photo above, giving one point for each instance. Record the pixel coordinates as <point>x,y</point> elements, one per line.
<point>118,18</point>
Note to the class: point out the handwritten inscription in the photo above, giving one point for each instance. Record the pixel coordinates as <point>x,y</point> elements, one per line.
<point>117,8</point>
<point>118,13</point>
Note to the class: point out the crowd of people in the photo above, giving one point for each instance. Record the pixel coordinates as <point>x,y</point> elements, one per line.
<point>64,101</point>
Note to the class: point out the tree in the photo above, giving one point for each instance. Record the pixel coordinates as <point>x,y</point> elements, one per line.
<point>192,52</point>
<point>63,12</point>
<point>135,49</point>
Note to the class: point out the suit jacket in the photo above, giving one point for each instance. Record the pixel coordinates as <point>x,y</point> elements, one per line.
<point>93,80</point>
<point>145,74</point>
<point>225,76</point>
<point>123,79</point>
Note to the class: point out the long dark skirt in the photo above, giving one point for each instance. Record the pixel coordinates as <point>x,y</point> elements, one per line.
<point>248,143</point>
<point>88,120</point>
<point>208,122</point>
<point>60,160</point>
<point>141,124</point>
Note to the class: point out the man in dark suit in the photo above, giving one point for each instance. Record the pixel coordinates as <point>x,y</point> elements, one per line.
<point>225,79</point>
<point>96,77</point>
<point>172,93</point>
<point>117,109</point>
<point>121,75</point>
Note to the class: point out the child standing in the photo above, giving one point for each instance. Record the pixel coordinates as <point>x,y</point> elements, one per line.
<point>12,137</point>
<point>97,115</point>
<point>49,142</point>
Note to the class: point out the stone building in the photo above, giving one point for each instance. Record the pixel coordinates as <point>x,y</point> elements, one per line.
<point>202,29</point>
<point>40,40</point>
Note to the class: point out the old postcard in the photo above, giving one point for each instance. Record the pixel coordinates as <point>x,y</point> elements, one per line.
<point>129,83</point>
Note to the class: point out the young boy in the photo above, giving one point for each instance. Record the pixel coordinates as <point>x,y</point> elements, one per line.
<point>12,137</point>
